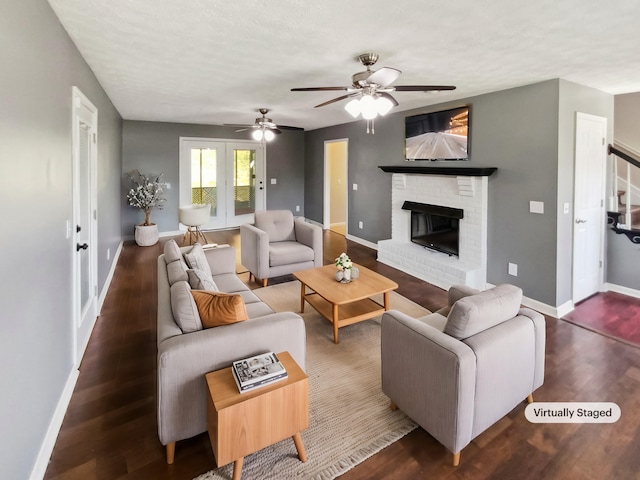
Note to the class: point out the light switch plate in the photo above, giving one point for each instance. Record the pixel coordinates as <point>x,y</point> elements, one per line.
<point>513,269</point>
<point>274,181</point>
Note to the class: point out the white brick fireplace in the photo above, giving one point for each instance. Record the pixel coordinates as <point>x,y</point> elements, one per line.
<point>468,193</point>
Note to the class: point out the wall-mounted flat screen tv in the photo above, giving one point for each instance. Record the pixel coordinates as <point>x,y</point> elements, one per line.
<point>442,135</point>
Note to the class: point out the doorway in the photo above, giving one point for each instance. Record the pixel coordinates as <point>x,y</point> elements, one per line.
<point>85,224</point>
<point>589,192</point>
<point>336,185</point>
<point>226,174</point>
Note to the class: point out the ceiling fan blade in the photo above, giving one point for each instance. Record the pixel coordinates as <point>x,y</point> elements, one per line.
<point>384,76</point>
<point>391,99</point>
<point>276,131</point>
<point>318,89</point>
<point>242,130</point>
<point>423,88</point>
<point>287,127</point>
<point>337,99</point>
<point>239,125</point>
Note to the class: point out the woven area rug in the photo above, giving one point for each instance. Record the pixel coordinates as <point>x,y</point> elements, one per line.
<point>349,416</point>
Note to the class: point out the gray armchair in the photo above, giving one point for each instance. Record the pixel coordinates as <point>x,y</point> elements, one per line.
<point>277,244</point>
<point>458,371</point>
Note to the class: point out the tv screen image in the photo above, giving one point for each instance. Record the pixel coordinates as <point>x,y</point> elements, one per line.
<point>442,135</point>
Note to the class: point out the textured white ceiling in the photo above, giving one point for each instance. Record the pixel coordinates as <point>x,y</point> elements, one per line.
<point>218,61</point>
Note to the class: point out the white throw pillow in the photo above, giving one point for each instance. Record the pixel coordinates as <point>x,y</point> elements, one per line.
<point>200,280</point>
<point>197,260</point>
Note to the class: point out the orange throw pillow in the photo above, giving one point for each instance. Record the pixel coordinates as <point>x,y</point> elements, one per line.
<point>218,309</point>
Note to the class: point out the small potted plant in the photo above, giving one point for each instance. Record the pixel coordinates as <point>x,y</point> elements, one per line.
<point>146,194</point>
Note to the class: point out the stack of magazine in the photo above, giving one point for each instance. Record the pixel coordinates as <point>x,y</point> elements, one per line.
<point>258,371</point>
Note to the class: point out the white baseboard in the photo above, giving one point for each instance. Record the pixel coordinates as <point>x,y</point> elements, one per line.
<point>107,283</point>
<point>362,241</point>
<point>610,287</point>
<point>49,441</point>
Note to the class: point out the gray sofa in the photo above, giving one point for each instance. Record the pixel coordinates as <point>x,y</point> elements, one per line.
<point>458,371</point>
<point>184,358</point>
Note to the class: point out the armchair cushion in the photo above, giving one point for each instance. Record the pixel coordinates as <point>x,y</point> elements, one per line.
<point>278,224</point>
<point>218,309</point>
<point>476,313</point>
<point>287,253</point>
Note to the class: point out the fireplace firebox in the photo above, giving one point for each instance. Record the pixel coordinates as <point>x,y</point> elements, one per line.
<point>435,227</point>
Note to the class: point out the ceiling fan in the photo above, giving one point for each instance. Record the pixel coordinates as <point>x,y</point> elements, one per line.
<point>371,90</point>
<point>263,128</point>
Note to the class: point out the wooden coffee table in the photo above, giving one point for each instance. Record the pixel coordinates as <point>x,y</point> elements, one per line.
<point>243,423</point>
<point>344,303</point>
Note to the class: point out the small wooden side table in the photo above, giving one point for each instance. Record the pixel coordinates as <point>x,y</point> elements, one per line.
<point>241,424</point>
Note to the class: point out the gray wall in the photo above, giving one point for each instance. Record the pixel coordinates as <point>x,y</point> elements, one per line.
<point>153,147</point>
<point>515,130</point>
<point>623,257</point>
<point>40,64</point>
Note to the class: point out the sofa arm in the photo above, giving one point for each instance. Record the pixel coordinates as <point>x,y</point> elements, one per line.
<point>430,376</point>
<point>183,361</point>
<point>539,325</point>
<point>254,250</point>
<point>310,235</point>
<point>221,259</point>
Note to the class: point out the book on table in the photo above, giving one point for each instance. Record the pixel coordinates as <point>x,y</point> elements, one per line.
<point>257,371</point>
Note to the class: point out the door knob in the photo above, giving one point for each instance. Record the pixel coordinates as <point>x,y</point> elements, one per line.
<point>579,220</point>
<point>79,247</point>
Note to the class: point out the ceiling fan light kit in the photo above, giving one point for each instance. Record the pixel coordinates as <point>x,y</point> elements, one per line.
<point>263,128</point>
<point>371,90</point>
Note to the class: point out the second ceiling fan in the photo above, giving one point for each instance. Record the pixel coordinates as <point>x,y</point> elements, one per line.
<point>263,128</point>
<point>371,90</point>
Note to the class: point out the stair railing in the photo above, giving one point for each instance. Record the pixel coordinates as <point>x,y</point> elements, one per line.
<point>632,160</point>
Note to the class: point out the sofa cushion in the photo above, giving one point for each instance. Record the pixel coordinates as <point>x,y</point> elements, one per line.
<point>288,253</point>
<point>277,224</point>
<point>476,313</point>
<point>177,271</point>
<point>184,308</point>
<point>172,252</point>
<point>196,259</point>
<point>218,309</point>
<point>201,280</point>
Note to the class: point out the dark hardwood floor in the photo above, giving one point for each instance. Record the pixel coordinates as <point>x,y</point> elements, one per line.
<point>109,431</point>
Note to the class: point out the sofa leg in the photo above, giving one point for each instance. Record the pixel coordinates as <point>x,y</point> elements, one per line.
<point>456,459</point>
<point>393,406</point>
<point>171,452</point>
<point>264,282</point>
<point>530,398</point>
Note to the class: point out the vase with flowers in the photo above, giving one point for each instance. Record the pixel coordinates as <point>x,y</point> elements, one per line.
<point>347,272</point>
<point>147,194</point>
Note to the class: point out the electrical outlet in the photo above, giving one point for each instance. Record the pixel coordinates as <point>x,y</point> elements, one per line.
<point>355,186</point>
<point>167,185</point>
<point>108,253</point>
<point>513,269</point>
<point>274,181</point>
<point>360,224</point>
<point>297,208</point>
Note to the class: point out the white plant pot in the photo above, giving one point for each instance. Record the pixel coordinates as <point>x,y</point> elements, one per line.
<point>147,235</point>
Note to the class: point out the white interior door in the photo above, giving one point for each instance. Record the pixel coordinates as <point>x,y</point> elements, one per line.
<point>589,222</point>
<point>85,296</point>
<point>226,174</point>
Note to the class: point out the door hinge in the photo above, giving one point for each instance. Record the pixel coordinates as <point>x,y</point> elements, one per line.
<point>600,263</point>
<point>94,138</point>
<point>95,290</point>
<point>602,140</point>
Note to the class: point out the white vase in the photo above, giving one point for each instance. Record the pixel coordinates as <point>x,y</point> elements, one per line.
<point>347,275</point>
<point>147,235</point>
